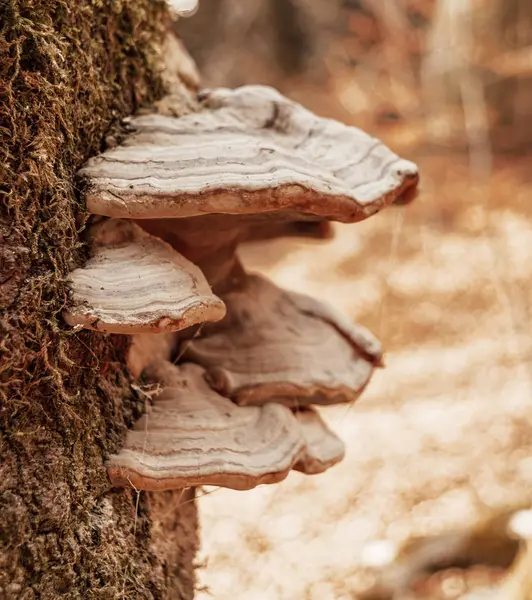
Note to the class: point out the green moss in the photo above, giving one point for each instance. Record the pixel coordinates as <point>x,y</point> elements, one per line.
<point>69,70</point>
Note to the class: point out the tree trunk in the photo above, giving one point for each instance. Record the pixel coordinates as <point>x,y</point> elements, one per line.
<point>69,71</point>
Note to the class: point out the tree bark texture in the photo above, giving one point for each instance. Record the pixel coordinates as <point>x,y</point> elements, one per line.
<point>69,70</point>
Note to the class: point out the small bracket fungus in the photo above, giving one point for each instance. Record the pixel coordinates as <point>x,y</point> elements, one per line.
<point>323,448</point>
<point>249,151</point>
<point>281,346</point>
<point>136,283</point>
<point>193,436</point>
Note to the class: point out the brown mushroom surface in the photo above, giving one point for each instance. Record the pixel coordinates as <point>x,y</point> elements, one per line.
<point>319,230</point>
<point>194,436</point>
<point>210,241</point>
<point>147,348</point>
<point>282,346</point>
<point>250,150</point>
<point>323,448</point>
<point>136,283</point>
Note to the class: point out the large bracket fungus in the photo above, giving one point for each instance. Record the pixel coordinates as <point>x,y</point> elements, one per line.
<point>249,151</point>
<point>249,165</point>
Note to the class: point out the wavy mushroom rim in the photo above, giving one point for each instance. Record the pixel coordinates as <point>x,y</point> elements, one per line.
<point>127,477</point>
<point>171,167</point>
<point>294,396</point>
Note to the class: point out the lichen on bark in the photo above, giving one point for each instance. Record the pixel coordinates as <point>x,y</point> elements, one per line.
<point>69,70</point>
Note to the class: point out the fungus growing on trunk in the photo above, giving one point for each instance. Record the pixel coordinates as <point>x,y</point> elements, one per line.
<point>249,151</point>
<point>277,345</point>
<point>194,436</point>
<point>250,165</point>
<point>136,283</point>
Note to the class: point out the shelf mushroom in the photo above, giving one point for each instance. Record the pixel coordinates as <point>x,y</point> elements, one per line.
<point>281,346</point>
<point>136,283</point>
<point>251,164</point>
<point>194,436</point>
<point>249,151</point>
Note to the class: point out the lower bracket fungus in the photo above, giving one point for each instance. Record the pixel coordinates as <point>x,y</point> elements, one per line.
<point>323,448</point>
<point>193,436</point>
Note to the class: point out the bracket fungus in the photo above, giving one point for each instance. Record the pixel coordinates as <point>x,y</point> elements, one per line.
<point>249,151</point>
<point>188,190</point>
<point>276,344</point>
<point>136,283</point>
<point>194,436</point>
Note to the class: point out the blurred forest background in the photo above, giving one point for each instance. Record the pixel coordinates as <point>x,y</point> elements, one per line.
<point>440,446</point>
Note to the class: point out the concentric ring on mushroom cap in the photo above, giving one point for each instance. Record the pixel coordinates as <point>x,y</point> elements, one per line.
<point>194,436</point>
<point>136,283</point>
<point>250,150</point>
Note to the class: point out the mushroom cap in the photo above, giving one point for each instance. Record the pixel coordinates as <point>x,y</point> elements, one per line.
<point>136,283</point>
<point>323,448</point>
<point>250,150</point>
<point>193,436</point>
<point>281,346</point>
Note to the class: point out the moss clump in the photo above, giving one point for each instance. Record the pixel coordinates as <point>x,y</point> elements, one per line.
<point>69,70</point>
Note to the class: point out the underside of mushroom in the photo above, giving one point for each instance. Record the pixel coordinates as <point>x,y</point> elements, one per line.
<point>242,361</point>
<point>210,241</point>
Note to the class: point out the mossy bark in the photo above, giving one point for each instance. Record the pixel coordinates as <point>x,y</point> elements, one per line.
<point>69,70</point>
